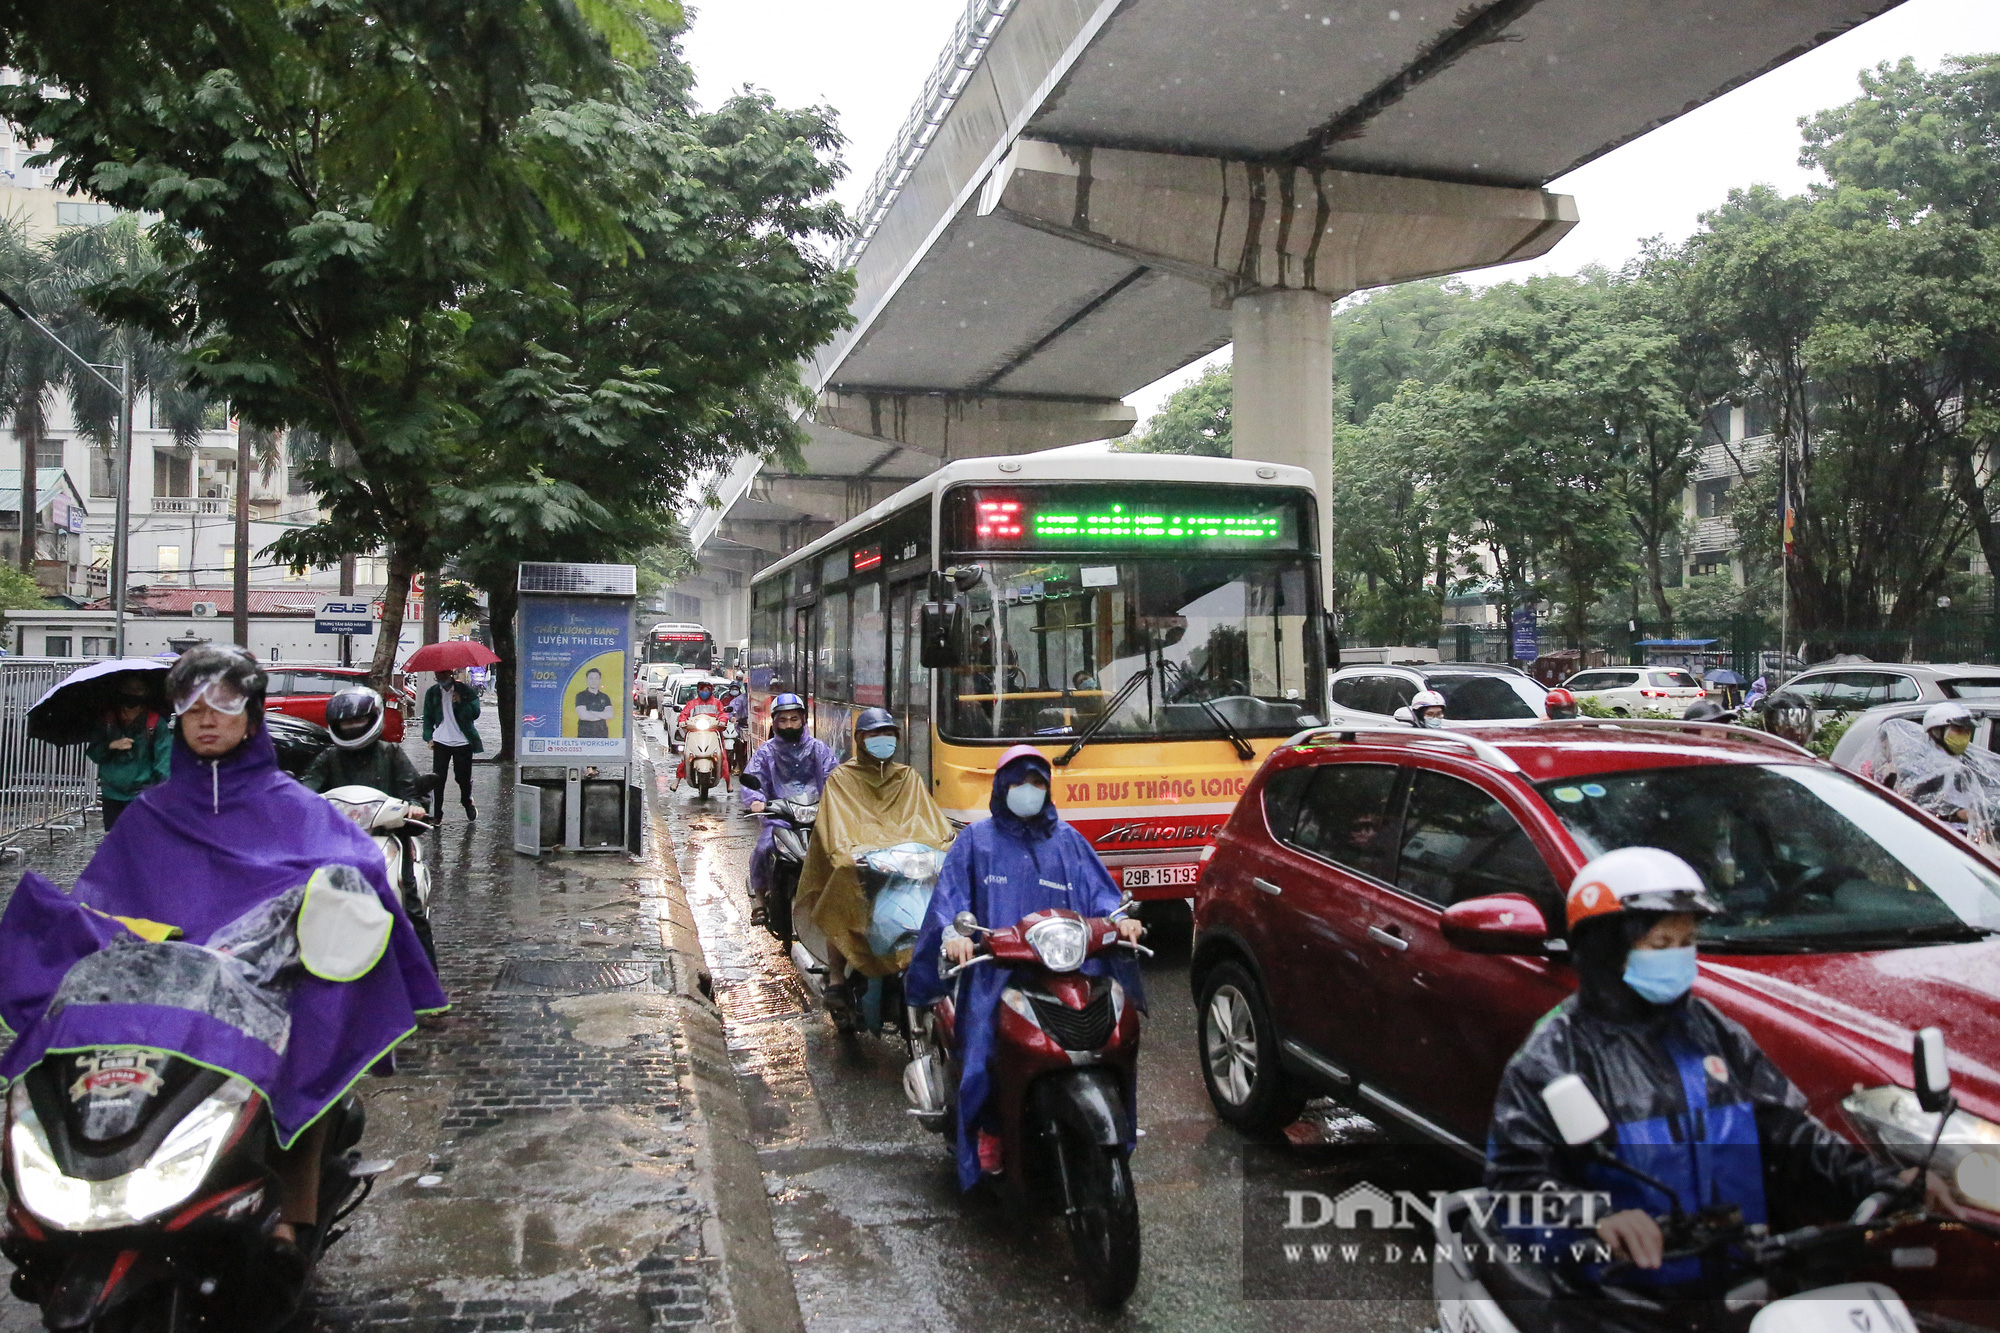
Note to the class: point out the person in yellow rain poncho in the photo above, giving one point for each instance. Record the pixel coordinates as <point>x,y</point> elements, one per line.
<point>871,802</point>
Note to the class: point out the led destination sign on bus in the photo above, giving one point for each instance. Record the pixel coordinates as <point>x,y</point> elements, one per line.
<point>1082,518</point>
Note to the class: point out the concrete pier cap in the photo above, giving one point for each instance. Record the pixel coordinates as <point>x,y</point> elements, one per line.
<point>1277,243</point>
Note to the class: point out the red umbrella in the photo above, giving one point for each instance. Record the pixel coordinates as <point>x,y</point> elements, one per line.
<point>449,656</point>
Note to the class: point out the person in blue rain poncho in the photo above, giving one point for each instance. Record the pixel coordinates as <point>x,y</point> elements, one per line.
<point>1024,859</point>
<point>791,765</point>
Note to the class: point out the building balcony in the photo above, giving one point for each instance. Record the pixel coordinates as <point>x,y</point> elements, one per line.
<point>164,504</point>
<point>1715,534</point>
<point>1720,460</point>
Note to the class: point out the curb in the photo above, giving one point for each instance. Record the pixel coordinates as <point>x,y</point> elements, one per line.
<point>756,1281</point>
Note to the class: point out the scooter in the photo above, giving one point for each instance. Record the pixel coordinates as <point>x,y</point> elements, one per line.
<point>702,749</point>
<point>1793,1282</point>
<point>898,881</point>
<point>733,743</point>
<point>1064,1059</point>
<point>791,815</point>
<point>142,1194</point>
<point>396,826</point>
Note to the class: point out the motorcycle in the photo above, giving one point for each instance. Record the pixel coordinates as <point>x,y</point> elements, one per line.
<point>395,826</point>
<point>735,743</point>
<point>143,1195</point>
<point>791,815</point>
<point>702,749</point>
<point>1799,1281</point>
<point>1065,1052</point>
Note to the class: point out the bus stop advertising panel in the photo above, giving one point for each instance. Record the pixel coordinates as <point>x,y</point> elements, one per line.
<point>574,637</point>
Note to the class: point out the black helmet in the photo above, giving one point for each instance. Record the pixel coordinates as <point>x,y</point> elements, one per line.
<point>1705,711</point>
<point>1790,716</point>
<point>354,717</point>
<point>225,676</point>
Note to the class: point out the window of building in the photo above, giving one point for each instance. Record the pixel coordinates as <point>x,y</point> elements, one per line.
<point>229,558</point>
<point>55,645</point>
<point>84,215</point>
<point>49,453</point>
<point>167,562</point>
<point>1713,562</point>
<point>99,645</point>
<point>103,476</point>
<point>173,474</point>
<point>1711,498</point>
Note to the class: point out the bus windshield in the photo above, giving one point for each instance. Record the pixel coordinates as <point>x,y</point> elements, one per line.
<point>1054,642</point>
<point>680,649</point>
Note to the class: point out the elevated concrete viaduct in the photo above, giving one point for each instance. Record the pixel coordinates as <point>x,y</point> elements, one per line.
<point>1093,193</point>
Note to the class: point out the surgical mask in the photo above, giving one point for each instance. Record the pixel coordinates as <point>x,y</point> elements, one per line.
<point>882,747</point>
<point>1025,799</point>
<point>1957,741</point>
<point>791,733</point>
<point>1660,975</point>
<point>1426,720</point>
<point>701,694</point>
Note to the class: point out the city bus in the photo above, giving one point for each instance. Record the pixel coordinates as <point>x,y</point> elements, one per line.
<point>680,644</point>
<point>1152,624</point>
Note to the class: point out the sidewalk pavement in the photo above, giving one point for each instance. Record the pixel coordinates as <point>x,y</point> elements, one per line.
<point>571,1151</point>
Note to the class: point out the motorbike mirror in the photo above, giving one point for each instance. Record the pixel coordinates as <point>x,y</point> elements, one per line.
<point>966,924</point>
<point>1930,1072</point>
<point>749,781</point>
<point>1579,1119</point>
<point>1504,923</point>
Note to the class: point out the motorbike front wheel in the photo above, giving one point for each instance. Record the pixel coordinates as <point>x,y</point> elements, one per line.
<point>1104,1226</point>
<point>784,882</point>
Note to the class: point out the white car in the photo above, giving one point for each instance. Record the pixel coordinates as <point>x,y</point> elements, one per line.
<point>1631,691</point>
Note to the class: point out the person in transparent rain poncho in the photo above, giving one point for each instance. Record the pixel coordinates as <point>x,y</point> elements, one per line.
<point>1935,766</point>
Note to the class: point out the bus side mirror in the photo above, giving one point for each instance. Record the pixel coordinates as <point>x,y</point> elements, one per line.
<point>941,630</point>
<point>1332,649</point>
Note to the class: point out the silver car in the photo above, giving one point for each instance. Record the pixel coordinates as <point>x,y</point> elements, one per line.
<point>1855,687</point>
<point>1473,692</point>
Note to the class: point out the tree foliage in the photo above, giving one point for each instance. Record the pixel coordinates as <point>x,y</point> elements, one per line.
<point>1193,421</point>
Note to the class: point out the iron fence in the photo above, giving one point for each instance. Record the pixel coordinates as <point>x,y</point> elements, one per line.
<point>42,786</point>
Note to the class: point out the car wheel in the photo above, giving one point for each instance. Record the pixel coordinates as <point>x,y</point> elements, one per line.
<point>1621,710</point>
<point>1239,1053</point>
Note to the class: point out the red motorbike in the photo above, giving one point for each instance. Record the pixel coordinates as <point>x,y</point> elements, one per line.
<point>1064,1053</point>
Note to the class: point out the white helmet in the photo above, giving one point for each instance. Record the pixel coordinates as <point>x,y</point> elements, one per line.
<point>1950,713</point>
<point>1423,701</point>
<point>1637,879</point>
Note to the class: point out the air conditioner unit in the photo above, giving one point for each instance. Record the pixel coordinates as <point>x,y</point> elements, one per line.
<point>202,610</point>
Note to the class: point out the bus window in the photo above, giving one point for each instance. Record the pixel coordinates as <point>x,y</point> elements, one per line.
<point>871,647</point>
<point>908,681</point>
<point>1053,642</point>
<point>831,665</point>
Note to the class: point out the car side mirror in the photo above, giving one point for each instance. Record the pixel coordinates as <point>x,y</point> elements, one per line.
<point>941,631</point>
<point>749,782</point>
<point>1504,923</point>
<point>1579,1119</point>
<point>1404,715</point>
<point>1930,1071</point>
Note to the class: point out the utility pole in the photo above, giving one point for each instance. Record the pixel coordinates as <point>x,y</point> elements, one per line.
<point>431,579</point>
<point>241,570</point>
<point>347,591</point>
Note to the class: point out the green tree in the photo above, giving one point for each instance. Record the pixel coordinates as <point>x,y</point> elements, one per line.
<point>1194,420</point>
<point>331,180</point>
<point>1389,336</point>
<point>1390,546</point>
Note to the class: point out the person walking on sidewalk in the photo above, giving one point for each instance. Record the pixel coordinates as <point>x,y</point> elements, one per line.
<point>453,737</point>
<point>132,747</point>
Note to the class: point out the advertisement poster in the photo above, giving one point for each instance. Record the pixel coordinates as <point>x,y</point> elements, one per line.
<point>573,697</point>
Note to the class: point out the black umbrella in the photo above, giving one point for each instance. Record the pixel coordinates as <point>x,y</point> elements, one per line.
<point>71,709</point>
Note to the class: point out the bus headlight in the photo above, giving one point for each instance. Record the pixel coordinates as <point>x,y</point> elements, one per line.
<point>170,1176</point>
<point>1060,942</point>
<point>1968,1152</point>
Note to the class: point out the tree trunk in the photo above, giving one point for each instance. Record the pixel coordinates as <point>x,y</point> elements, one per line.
<point>28,431</point>
<point>503,602</point>
<point>395,600</point>
<point>432,578</point>
<point>1656,579</point>
<point>241,572</point>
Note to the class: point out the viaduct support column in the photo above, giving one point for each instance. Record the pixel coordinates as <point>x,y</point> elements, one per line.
<point>1282,400</point>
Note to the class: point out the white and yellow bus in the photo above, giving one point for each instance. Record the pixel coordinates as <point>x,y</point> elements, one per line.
<point>1152,624</point>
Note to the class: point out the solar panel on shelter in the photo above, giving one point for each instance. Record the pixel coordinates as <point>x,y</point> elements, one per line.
<point>586,580</point>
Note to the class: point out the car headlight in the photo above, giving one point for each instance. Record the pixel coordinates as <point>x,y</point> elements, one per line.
<point>173,1173</point>
<point>1060,942</point>
<point>1968,1152</point>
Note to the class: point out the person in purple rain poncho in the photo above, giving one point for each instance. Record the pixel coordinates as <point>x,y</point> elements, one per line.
<point>790,760</point>
<point>189,863</point>
<point>1024,859</point>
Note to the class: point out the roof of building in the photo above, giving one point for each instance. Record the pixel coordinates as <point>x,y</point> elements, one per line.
<point>47,479</point>
<point>162,601</point>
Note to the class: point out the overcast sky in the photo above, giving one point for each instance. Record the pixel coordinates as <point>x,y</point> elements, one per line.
<point>868,59</point>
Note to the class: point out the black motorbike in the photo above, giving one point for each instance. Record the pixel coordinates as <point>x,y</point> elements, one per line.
<point>142,1196</point>
<point>791,816</point>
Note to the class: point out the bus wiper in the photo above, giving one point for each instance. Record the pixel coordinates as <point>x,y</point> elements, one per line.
<point>1228,728</point>
<point>1097,723</point>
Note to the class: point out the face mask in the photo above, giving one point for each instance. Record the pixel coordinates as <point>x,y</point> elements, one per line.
<point>1957,741</point>
<point>1025,799</point>
<point>882,747</point>
<point>1660,975</point>
<point>1429,723</point>
<point>702,695</point>
<point>791,734</point>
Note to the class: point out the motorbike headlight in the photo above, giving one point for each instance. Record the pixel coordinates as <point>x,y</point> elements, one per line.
<point>172,1174</point>
<point>1968,1152</point>
<point>1060,942</point>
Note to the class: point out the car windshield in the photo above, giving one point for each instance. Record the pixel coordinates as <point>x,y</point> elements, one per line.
<point>1803,859</point>
<point>1472,698</point>
<point>1675,680</point>
<point>1055,642</point>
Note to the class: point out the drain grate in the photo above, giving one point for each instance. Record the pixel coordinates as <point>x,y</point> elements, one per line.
<point>555,976</point>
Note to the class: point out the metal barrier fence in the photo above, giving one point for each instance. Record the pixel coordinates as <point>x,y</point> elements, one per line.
<point>42,786</point>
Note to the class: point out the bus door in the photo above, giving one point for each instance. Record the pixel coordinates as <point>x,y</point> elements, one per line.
<point>805,641</point>
<point>909,683</point>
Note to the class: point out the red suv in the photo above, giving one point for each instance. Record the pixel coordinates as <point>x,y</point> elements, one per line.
<point>303,691</point>
<point>1382,918</point>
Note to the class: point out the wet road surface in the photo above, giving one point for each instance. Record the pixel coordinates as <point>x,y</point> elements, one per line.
<point>865,1204</point>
